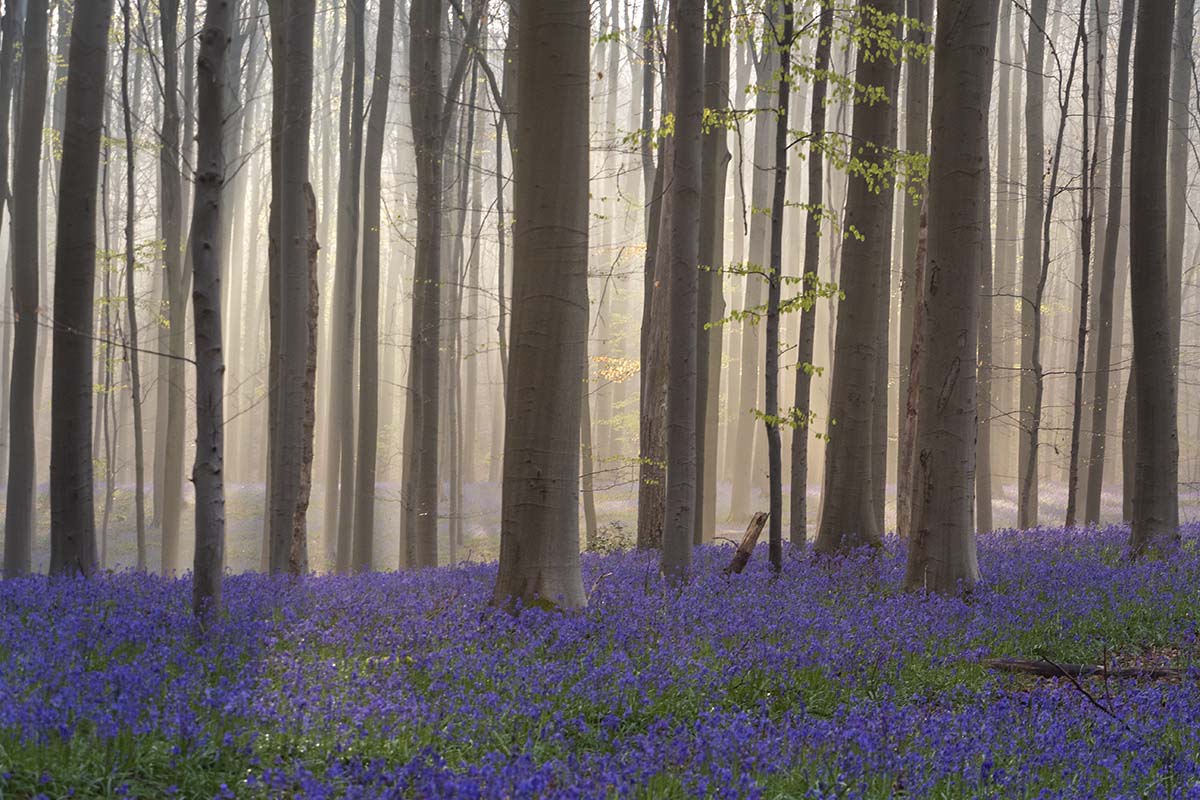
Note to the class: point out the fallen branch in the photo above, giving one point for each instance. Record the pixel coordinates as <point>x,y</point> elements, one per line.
<point>742,556</point>
<point>1050,669</point>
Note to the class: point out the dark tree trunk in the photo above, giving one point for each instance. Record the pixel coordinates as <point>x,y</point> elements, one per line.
<point>208,472</point>
<point>539,534</point>
<point>941,552</point>
<point>72,513</point>
<point>849,517</point>
<point>27,159</point>
<point>1156,490</point>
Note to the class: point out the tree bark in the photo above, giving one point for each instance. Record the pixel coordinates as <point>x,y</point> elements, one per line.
<point>208,473</point>
<point>849,518</point>
<point>72,513</point>
<point>539,534</point>
<point>1156,492</point>
<point>27,159</point>
<point>941,553</point>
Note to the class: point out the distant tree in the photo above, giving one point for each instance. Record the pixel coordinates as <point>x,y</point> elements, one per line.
<point>72,511</point>
<point>208,472</point>
<point>1156,493</point>
<point>848,517</point>
<point>941,552</point>
<point>27,161</point>
<point>539,533</point>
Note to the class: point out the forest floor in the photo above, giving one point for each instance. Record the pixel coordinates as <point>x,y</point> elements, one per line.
<point>824,681</point>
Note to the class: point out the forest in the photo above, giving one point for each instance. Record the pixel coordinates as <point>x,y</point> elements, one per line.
<point>599,398</point>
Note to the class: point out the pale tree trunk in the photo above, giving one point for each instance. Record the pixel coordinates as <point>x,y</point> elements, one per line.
<point>539,533</point>
<point>711,303</point>
<point>368,397</point>
<point>27,155</point>
<point>72,512</point>
<point>339,478</point>
<point>848,517</point>
<point>911,400</point>
<point>132,354</point>
<point>984,392</point>
<point>941,552</point>
<point>208,471</point>
<point>169,468</point>
<point>1108,272</point>
<point>1087,203</point>
<point>802,406</point>
<point>774,285</point>
<point>680,519</point>
<point>1179,146</point>
<point>293,47</point>
<point>1156,490</point>
<point>1031,257</point>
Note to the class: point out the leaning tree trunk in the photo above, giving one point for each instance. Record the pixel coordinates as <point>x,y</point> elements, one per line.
<point>1108,273</point>
<point>208,471</point>
<point>680,520</point>
<point>72,512</point>
<point>1031,256</point>
<point>368,396</point>
<point>27,161</point>
<point>1156,492</point>
<point>539,533</point>
<point>802,410</point>
<point>941,552</point>
<point>848,518</point>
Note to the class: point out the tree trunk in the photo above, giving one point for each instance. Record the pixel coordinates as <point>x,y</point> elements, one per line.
<point>339,479</point>
<point>208,471</point>
<point>680,526</point>
<point>72,514</point>
<point>1108,272</point>
<point>292,28</point>
<point>368,393</point>
<point>941,553</point>
<point>1031,257</point>
<point>848,518</point>
<point>711,303</point>
<point>802,411</point>
<point>27,159</point>
<point>539,534</point>
<point>1179,145</point>
<point>984,392</point>
<point>774,285</point>
<point>1156,491</point>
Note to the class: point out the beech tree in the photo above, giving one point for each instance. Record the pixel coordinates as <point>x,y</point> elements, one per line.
<point>941,551</point>
<point>539,533</point>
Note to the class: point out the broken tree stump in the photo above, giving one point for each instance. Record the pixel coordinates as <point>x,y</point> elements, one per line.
<point>742,556</point>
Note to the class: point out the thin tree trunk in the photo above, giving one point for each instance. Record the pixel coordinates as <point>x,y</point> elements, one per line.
<point>27,154</point>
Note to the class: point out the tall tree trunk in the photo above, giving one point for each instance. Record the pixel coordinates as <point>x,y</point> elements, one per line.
<point>132,354</point>
<point>208,472</point>
<point>711,304</point>
<point>1156,490</point>
<point>802,406</point>
<point>368,395</point>
<point>680,526</point>
<point>1108,271</point>
<point>774,285</point>
<point>848,518</point>
<point>539,533</point>
<point>1179,145</point>
<point>72,513</point>
<point>1087,200</point>
<point>292,29</point>
<point>339,481</point>
<point>941,553</point>
<point>27,159</point>
<point>1035,201</point>
<point>986,359</point>
<point>169,471</point>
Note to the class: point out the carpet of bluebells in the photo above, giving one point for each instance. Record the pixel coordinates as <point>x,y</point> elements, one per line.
<point>824,682</point>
